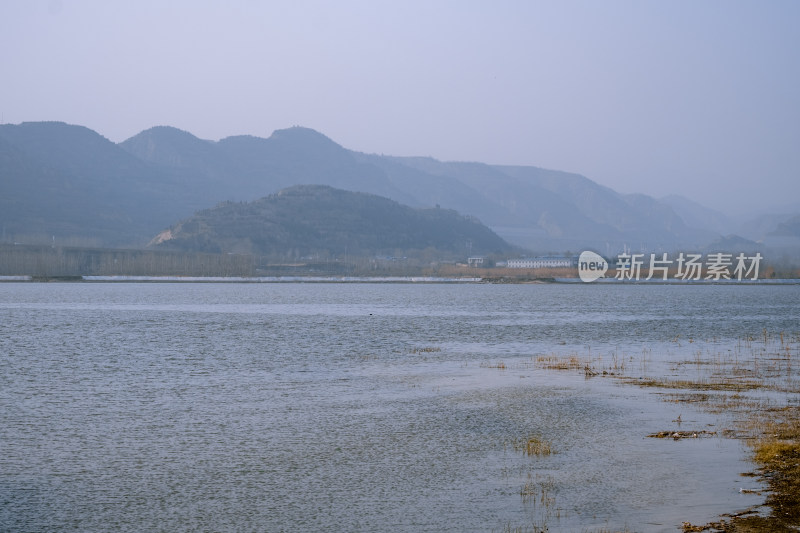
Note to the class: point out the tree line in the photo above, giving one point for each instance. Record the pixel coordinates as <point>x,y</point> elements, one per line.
<point>53,261</point>
<point>40,261</point>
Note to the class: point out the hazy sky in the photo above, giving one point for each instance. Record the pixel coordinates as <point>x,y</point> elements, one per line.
<point>671,97</point>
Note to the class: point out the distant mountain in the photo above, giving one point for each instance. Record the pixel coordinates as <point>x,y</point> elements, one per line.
<point>321,221</point>
<point>734,244</point>
<point>169,147</point>
<point>537,208</point>
<point>68,182</point>
<point>698,216</point>
<point>788,228</point>
<point>518,206</point>
<point>553,210</point>
<point>244,167</point>
<point>761,227</point>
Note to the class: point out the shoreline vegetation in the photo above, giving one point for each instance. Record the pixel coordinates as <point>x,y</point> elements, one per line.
<point>52,263</point>
<point>374,279</point>
<point>754,387</point>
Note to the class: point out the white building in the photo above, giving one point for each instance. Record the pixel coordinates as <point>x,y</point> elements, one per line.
<point>540,262</point>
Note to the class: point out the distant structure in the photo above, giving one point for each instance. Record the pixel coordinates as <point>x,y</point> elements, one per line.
<point>475,262</point>
<point>541,262</point>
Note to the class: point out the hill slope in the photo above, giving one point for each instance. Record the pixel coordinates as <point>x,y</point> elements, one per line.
<point>317,220</point>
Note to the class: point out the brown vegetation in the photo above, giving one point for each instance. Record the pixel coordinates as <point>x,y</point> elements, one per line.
<point>771,429</point>
<point>729,383</point>
<point>506,275</point>
<point>532,446</point>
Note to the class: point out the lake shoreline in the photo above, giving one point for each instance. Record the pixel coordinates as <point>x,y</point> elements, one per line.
<point>380,279</point>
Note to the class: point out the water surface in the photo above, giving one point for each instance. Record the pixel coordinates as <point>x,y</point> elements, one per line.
<point>360,407</point>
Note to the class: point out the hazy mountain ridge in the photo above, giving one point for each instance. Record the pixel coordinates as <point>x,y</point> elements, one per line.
<point>68,181</point>
<point>245,167</point>
<point>556,210</point>
<point>788,228</point>
<point>573,211</point>
<point>318,220</point>
<point>64,180</point>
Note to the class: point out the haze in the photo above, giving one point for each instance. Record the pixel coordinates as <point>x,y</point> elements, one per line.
<point>683,97</point>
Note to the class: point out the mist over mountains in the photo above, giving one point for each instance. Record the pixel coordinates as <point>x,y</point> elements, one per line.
<point>70,184</point>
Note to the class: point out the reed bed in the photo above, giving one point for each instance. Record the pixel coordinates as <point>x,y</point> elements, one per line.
<point>532,445</point>
<point>754,383</point>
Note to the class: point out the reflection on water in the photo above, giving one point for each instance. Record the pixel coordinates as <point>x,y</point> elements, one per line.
<point>297,407</point>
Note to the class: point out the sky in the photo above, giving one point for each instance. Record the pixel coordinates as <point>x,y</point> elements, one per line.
<point>689,97</point>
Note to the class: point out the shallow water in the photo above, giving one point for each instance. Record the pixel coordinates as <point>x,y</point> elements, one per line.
<point>361,407</point>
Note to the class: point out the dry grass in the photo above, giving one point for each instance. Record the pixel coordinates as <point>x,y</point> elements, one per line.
<point>508,528</point>
<point>538,491</point>
<point>727,384</point>
<point>507,275</point>
<point>426,349</point>
<point>557,362</point>
<point>591,366</point>
<point>777,453</point>
<point>532,446</point>
<point>699,385</point>
<point>753,384</point>
<point>678,435</point>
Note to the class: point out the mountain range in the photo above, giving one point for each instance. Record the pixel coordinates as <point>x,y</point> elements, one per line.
<point>70,184</point>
